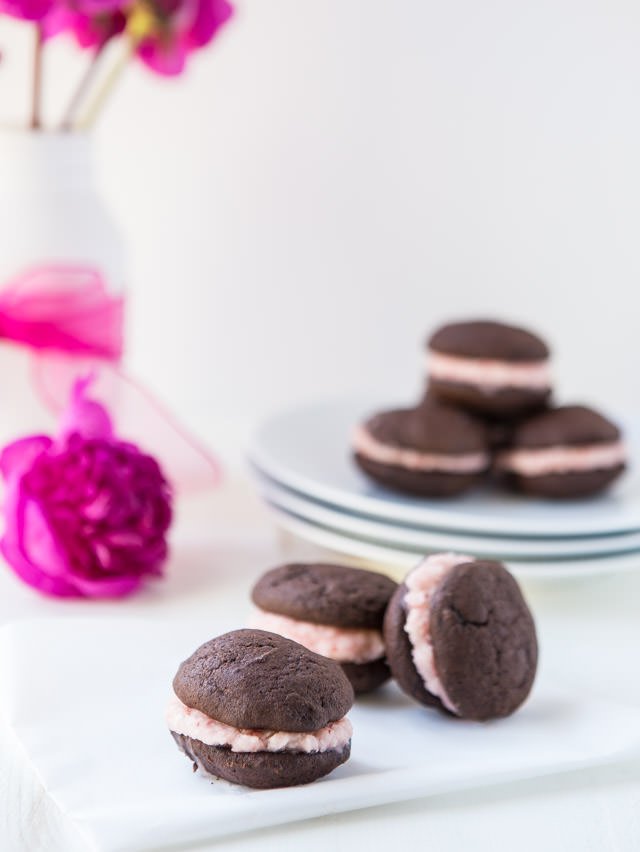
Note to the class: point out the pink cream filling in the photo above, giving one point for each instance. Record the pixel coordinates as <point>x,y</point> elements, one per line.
<point>563,459</point>
<point>366,445</point>
<point>422,584</point>
<point>490,375</point>
<point>198,726</point>
<point>342,644</point>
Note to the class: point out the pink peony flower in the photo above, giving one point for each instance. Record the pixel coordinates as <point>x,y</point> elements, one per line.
<point>169,30</point>
<point>86,514</point>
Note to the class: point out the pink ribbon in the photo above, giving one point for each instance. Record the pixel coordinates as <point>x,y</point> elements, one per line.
<point>74,325</point>
<point>64,308</point>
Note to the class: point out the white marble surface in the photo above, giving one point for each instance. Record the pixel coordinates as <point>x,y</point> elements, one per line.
<point>590,633</point>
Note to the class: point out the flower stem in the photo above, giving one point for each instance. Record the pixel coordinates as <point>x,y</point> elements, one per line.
<point>36,91</point>
<point>82,89</point>
<point>96,105</point>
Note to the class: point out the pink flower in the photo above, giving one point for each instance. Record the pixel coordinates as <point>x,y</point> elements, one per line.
<point>27,10</point>
<point>94,29</point>
<point>86,514</point>
<point>54,15</point>
<point>169,30</point>
<point>92,22</point>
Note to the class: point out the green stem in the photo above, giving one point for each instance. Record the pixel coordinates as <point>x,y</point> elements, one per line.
<point>36,91</point>
<point>92,112</point>
<point>86,81</point>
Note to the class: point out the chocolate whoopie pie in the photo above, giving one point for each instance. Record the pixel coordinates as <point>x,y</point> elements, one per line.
<point>572,451</point>
<point>257,709</point>
<point>333,610</point>
<point>489,367</point>
<point>460,637</point>
<point>433,450</point>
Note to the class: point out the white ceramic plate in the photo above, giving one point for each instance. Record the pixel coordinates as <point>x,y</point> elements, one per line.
<point>401,559</point>
<point>401,536</point>
<point>307,449</point>
<point>112,767</point>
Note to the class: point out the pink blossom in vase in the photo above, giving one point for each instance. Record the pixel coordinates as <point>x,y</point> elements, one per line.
<point>90,28</point>
<point>167,31</point>
<point>27,10</point>
<point>91,22</point>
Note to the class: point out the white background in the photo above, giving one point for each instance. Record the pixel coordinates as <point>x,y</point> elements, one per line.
<point>334,178</point>
<point>329,181</point>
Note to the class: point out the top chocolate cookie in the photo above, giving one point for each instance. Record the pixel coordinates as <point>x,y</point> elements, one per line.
<point>325,594</point>
<point>569,425</point>
<point>430,427</point>
<point>258,680</point>
<point>489,367</point>
<point>488,339</point>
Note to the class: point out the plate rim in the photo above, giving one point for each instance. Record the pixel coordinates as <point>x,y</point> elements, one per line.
<point>377,530</point>
<point>390,557</point>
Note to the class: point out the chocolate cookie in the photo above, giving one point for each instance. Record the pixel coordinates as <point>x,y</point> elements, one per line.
<point>565,452</point>
<point>257,709</point>
<point>460,637</point>
<point>262,769</point>
<point>433,450</point>
<point>489,367</point>
<point>333,610</point>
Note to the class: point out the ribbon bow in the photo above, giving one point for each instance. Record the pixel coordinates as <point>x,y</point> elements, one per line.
<point>67,316</point>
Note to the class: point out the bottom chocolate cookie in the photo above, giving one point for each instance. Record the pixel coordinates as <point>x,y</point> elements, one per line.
<point>261,770</point>
<point>423,483</point>
<point>564,486</point>
<point>365,677</point>
<point>504,402</point>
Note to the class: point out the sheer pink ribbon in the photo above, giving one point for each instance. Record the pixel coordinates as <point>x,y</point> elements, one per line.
<point>66,315</point>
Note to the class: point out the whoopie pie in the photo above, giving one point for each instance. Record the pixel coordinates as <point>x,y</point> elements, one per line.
<point>489,367</point>
<point>460,637</point>
<point>567,452</point>
<point>433,450</point>
<point>334,610</point>
<point>257,709</point>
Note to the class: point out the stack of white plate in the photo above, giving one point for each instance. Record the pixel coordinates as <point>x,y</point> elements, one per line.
<point>303,468</point>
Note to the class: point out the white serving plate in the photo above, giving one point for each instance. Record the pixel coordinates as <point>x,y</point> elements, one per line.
<point>414,538</point>
<point>103,754</point>
<point>399,560</point>
<point>307,449</point>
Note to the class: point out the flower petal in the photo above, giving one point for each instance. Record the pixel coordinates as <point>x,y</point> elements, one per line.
<point>25,526</point>
<point>18,457</point>
<point>166,55</point>
<point>27,10</point>
<point>85,416</point>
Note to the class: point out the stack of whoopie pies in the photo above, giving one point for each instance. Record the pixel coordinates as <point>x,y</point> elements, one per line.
<point>487,408</point>
<point>267,707</point>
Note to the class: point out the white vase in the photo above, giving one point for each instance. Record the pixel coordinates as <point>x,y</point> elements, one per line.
<point>50,207</point>
<point>51,211</point>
